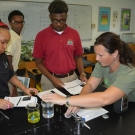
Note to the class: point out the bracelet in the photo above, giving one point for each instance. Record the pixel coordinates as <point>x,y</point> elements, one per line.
<point>83,74</point>
<point>67,100</point>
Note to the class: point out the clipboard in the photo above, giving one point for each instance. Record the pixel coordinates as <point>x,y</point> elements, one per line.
<point>21,101</point>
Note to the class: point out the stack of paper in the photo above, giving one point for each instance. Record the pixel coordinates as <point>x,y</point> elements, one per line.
<point>73,87</point>
<point>21,101</point>
<point>91,113</point>
<point>40,94</point>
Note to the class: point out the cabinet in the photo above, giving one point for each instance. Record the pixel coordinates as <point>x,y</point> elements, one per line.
<point>90,57</point>
<point>128,37</point>
<point>132,46</point>
<point>35,76</point>
<point>27,65</point>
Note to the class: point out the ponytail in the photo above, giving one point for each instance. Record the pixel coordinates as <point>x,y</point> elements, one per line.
<point>127,55</point>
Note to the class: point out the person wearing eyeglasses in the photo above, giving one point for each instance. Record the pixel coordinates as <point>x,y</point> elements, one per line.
<point>13,51</point>
<point>57,50</point>
<point>6,72</point>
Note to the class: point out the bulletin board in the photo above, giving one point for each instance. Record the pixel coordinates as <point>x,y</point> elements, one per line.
<point>104,19</point>
<point>37,17</point>
<point>125,19</point>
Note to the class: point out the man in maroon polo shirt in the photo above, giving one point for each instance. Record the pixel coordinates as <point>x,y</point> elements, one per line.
<point>57,50</point>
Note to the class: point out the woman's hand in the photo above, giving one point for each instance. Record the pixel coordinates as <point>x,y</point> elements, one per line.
<point>72,109</point>
<point>54,98</point>
<point>60,100</point>
<point>5,104</point>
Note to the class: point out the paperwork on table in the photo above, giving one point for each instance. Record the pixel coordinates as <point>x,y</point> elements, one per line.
<point>51,91</point>
<point>22,101</point>
<point>91,113</point>
<point>74,87</point>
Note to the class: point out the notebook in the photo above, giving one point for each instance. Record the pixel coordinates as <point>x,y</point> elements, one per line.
<point>40,94</point>
<point>22,101</point>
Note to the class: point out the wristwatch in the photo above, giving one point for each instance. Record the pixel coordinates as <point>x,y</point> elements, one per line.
<point>67,100</point>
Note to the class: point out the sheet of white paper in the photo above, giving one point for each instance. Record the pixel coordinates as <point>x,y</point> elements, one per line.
<point>73,84</point>
<point>18,101</point>
<point>91,113</point>
<point>75,90</point>
<point>49,91</point>
<point>73,87</point>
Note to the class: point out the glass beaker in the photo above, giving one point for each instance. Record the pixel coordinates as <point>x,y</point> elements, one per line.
<point>33,112</point>
<point>47,109</point>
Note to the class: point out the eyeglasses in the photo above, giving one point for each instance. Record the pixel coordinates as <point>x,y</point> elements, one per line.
<point>62,21</point>
<point>17,23</point>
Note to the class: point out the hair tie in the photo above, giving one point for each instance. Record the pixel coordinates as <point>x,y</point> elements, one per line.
<point>3,25</point>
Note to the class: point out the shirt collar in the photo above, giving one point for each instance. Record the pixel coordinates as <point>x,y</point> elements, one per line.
<point>15,34</point>
<point>53,31</point>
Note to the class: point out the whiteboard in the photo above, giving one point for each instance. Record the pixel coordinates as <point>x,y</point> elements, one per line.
<point>36,17</point>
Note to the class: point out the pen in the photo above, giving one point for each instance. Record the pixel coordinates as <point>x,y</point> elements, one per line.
<point>4,115</point>
<point>83,119</point>
<point>86,125</point>
<point>18,101</point>
<point>8,104</point>
<point>52,91</point>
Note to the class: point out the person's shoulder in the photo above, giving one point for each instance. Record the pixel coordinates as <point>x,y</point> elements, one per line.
<point>42,31</point>
<point>13,33</point>
<point>14,36</point>
<point>43,34</point>
<point>127,69</point>
<point>71,29</point>
<point>13,40</point>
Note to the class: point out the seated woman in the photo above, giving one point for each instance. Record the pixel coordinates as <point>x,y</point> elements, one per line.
<point>6,73</point>
<point>115,65</point>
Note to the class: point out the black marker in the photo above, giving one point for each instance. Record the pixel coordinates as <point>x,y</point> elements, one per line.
<point>18,102</point>
<point>4,115</point>
<point>52,91</point>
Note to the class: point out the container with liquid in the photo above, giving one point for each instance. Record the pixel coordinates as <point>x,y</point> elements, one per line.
<point>33,112</point>
<point>47,109</point>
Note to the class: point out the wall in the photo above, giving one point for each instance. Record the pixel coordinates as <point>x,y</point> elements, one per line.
<point>115,5</point>
<point>76,16</point>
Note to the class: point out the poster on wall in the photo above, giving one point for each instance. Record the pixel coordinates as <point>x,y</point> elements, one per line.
<point>115,16</point>
<point>125,19</point>
<point>104,19</point>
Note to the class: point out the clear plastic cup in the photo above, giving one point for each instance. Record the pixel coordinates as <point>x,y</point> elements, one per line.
<point>47,109</point>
